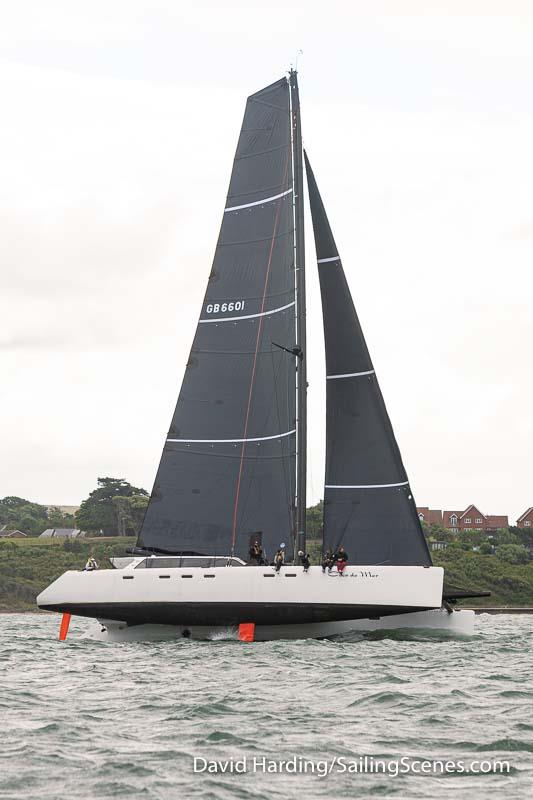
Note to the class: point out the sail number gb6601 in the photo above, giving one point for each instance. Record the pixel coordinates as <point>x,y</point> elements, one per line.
<point>215,308</point>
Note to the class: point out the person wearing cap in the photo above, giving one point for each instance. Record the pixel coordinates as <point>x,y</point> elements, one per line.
<point>91,564</point>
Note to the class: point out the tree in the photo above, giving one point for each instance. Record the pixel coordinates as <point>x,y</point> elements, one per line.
<point>16,512</point>
<point>99,513</point>
<point>523,535</point>
<point>315,520</point>
<point>130,513</point>
<point>512,553</point>
<point>56,519</point>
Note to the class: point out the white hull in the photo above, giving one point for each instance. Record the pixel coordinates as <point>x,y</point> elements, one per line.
<point>457,623</point>
<point>135,603</point>
<point>218,597</point>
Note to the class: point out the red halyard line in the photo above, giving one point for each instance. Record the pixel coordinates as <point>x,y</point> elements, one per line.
<point>259,330</point>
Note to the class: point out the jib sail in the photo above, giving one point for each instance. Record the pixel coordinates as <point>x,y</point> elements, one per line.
<point>368,504</point>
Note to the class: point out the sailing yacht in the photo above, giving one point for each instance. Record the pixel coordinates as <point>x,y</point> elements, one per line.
<point>233,467</point>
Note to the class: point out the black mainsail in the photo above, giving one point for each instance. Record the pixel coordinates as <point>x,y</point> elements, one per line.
<point>228,470</point>
<point>368,505</point>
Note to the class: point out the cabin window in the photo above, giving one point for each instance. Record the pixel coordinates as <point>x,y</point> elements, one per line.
<point>175,562</point>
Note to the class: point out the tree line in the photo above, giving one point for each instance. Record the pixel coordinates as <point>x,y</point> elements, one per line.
<point>114,508</point>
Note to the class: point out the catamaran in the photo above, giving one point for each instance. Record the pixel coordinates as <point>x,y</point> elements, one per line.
<point>233,467</point>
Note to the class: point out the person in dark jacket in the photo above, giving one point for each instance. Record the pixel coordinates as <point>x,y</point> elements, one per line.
<point>327,561</point>
<point>341,559</point>
<point>256,553</point>
<point>304,560</point>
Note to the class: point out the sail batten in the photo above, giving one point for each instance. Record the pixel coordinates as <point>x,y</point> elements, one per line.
<point>227,470</point>
<point>368,503</point>
<point>259,202</point>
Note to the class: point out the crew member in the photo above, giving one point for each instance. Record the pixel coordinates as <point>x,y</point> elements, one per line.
<point>327,561</point>
<point>256,553</point>
<point>91,564</point>
<point>279,558</point>
<point>341,559</point>
<point>304,560</point>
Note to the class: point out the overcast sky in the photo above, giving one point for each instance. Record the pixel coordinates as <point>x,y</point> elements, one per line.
<point>119,124</point>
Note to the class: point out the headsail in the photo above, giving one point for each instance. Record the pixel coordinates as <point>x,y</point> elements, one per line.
<point>368,504</point>
<point>228,466</point>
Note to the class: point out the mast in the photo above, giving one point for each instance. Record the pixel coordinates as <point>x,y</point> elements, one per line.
<point>301,341</point>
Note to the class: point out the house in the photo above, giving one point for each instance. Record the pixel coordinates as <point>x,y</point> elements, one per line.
<point>450,520</point>
<point>62,533</point>
<point>526,520</point>
<point>13,534</point>
<point>472,519</point>
<point>429,515</point>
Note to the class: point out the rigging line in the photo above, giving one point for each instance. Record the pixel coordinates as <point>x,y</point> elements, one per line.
<point>252,379</point>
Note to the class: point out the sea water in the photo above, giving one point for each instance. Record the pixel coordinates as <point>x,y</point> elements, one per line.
<point>353,716</point>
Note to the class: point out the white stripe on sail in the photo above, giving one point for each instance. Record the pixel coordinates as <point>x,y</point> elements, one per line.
<point>248,316</point>
<point>258,202</point>
<point>349,375</point>
<point>325,260</point>
<point>232,441</point>
<point>368,486</point>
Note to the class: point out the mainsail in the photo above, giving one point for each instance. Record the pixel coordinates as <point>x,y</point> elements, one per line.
<point>368,504</point>
<point>228,469</point>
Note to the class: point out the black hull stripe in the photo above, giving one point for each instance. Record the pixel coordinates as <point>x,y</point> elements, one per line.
<point>228,613</point>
